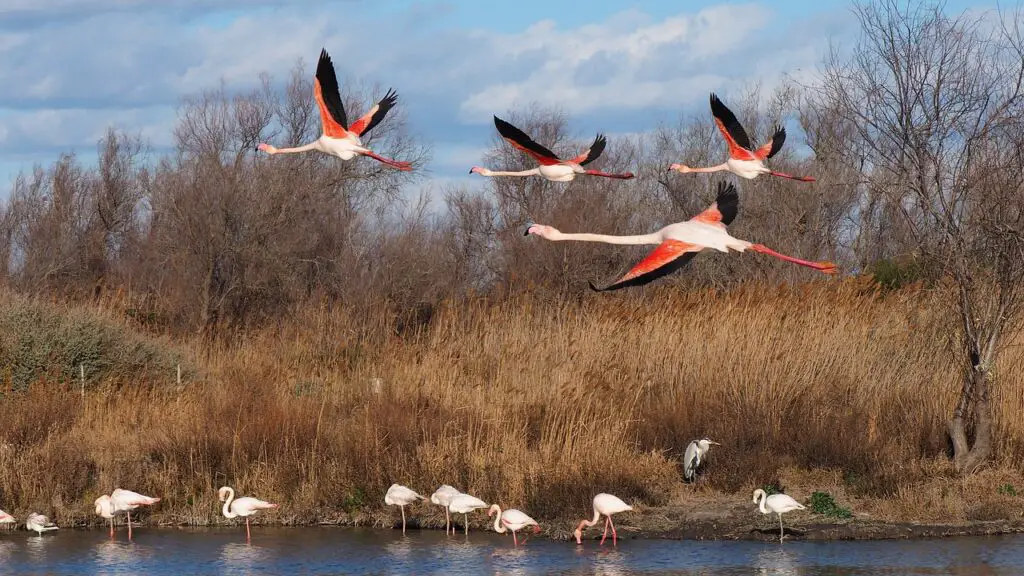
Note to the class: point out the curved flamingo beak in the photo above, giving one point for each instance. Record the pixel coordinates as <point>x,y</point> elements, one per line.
<point>528,226</point>
<point>673,167</point>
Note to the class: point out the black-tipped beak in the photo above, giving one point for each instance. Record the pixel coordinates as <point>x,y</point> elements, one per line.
<point>470,170</point>
<point>526,231</point>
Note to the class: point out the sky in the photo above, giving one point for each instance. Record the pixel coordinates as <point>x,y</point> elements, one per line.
<point>71,68</point>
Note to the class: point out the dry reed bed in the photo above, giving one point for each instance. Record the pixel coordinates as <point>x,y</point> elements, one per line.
<point>530,404</point>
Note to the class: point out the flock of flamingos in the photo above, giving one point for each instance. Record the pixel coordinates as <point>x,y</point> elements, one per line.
<point>676,244</point>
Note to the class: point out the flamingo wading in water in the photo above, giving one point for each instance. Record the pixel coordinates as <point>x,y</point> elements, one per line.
<point>743,161</point>
<point>443,497</point>
<point>401,496</point>
<point>513,520</point>
<point>678,243</point>
<point>122,501</point>
<point>694,455</point>
<point>338,137</point>
<point>603,504</point>
<point>245,506</point>
<point>464,504</point>
<point>39,523</point>
<point>777,503</point>
<point>551,166</point>
<point>6,518</point>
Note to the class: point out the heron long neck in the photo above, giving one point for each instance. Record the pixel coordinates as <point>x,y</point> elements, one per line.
<point>584,237</point>
<point>497,522</point>
<point>227,504</point>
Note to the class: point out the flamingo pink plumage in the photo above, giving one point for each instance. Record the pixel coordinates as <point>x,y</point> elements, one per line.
<point>513,520</point>
<point>245,506</point>
<point>678,243</point>
<point>551,166</point>
<point>122,501</point>
<point>606,504</point>
<point>743,161</point>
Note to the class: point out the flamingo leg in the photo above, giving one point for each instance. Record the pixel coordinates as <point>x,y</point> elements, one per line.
<point>248,535</point>
<point>129,512</point>
<point>465,523</point>
<point>824,267</point>
<point>403,520</point>
<point>605,535</point>
<point>615,537</point>
<point>515,540</point>
<point>781,531</point>
<point>791,177</point>
<point>111,527</point>
<point>623,176</point>
<point>403,166</point>
<point>447,522</point>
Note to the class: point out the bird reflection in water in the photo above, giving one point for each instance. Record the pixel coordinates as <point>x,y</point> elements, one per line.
<point>776,561</point>
<point>239,558</point>
<point>6,550</point>
<point>609,562</point>
<point>37,547</point>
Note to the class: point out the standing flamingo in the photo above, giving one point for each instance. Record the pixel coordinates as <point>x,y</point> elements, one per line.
<point>245,506</point>
<point>511,520</point>
<point>464,504</point>
<point>551,167</point>
<point>122,501</point>
<point>603,504</point>
<point>694,455</point>
<point>401,496</point>
<point>743,161</point>
<point>6,518</point>
<point>39,523</point>
<point>678,243</point>
<point>338,138</point>
<point>443,497</point>
<point>777,503</point>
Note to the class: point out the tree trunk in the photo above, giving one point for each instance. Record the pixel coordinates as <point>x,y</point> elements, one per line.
<point>968,456</point>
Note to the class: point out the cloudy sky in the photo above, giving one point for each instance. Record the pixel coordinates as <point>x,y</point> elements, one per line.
<point>70,68</point>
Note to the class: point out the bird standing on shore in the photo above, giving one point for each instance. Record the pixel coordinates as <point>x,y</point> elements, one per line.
<point>39,523</point>
<point>338,138</point>
<point>443,497</point>
<point>743,161</point>
<point>6,518</point>
<point>678,243</point>
<point>694,456</point>
<point>245,506</point>
<point>551,166</point>
<point>603,504</point>
<point>778,504</point>
<point>513,520</point>
<point>401,496</point>
<point>122,501</point>
<point>464,504</point>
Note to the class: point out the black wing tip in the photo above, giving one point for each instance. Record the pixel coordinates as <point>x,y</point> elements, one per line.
<point>596,289</point>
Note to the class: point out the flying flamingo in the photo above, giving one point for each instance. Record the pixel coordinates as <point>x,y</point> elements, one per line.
<point>678,243</point>
<point>695,455</point>
<point>39,523</point>
<point>551,167</point>
<point>122,501</point>
<point>603,504</point>
<point>339,138</point>
<point>464,504</point>
<point>245,506</point>
<point>511,520</point>
<point>443,497</point>
<point>401,496</point>
<point>743,161</point>
<point>6,518</point>
<point>777,503</point>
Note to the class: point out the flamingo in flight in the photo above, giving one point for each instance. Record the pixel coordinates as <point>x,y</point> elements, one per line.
<point>339,138</point>
<point>551,166</point>
<point>606,504</point>
<point>777,503</point>
<point>401,496</point>
<point>245,506</point>
<point>513,520</point>
<point>743,161</point>
<point>122,501</point>
<point>678,243</point>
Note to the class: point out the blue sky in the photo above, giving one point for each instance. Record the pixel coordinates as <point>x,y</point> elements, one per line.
<point>70,68</point>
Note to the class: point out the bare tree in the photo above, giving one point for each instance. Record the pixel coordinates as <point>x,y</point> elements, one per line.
<point>934,102</point>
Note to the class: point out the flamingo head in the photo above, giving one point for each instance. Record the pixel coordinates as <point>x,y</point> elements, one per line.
<point>266,148</point>
<point>480,170</point>
<point>222,494</point>
<point>494,508</point>
<point>536,528</point>
<point>681,168</point>
<point>103,507</point>
<point>543,231</point>
<point>578,532</point>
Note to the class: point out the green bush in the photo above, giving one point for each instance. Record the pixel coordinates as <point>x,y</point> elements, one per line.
<point>823,503</point>
<point>42,340</point>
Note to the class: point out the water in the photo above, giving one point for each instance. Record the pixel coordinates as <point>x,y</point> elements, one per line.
<point>322,551</point>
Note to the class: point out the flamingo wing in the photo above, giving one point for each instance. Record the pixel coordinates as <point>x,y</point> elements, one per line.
<point>328,98</point>
<point>735,136</point>
<point>248,505</point>
<point>593,152</point>
<point>669,256</point>
<point>375,115</point>
<point>133,499</point>
<point>724,209</point>
<point>515,519</point>
<point>520,140</point>
<point>772,147</point>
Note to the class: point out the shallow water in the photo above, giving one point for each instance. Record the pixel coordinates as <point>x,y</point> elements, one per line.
<point>322,551</point>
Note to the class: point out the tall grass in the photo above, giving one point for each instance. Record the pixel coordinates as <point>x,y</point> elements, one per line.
<point>533,404</point>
